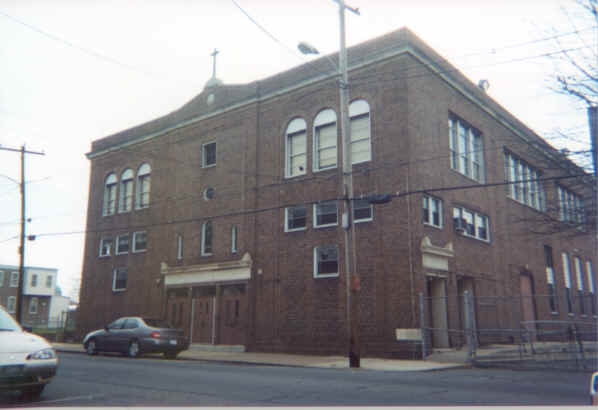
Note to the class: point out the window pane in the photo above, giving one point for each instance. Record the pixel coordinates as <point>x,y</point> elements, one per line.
<point>362,210</point>
<point>296,217</point>
<point>327,260</point>
<point>326,213</point>
<point>140,241</point>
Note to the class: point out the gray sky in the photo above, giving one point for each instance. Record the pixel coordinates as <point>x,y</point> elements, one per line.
<point>76,71</point>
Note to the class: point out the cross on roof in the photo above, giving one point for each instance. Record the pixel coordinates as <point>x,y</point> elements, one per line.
<point>214,54</point>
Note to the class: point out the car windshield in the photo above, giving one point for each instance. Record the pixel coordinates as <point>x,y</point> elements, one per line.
<point>7,323</point>
<point>157,323</point>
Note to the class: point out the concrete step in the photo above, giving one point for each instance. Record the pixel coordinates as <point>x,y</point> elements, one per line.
<point>217,348</point>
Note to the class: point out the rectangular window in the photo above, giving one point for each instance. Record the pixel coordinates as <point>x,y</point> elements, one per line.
<point>432,211</point>
<point>208,154</point>
<point>362,211</point>
<point>49,281</point>
<point>33,306</point>
<point>126,195</point>
<point>34,280</point>
<point>122,244</point>
<point>567,275</point>
<point>1,278</point>
<point>110,199</point>
<point>206,238</point>
<point>234,236</point>
<point>472,224</point>
<point>296,153</point>
<point>361,150</point>
<point>570,206</point>
<point>325,261</point>
<point>325,147</point>
<point>325,214</point>
<point>14,279</point>
<point>140,241</point>
<point>179,247</point>
<point>106,246</point>
<point>295,218</point>
<point>119,279</point>
<point>466,149</point>
<point>591,288</point>
<point>522,182</point>
<point>11,305</point>
<point>580,290</point>
<point>552,296</point>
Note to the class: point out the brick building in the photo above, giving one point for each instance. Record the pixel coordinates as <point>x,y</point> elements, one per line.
<point>224,215</point>
<point>39,287</point>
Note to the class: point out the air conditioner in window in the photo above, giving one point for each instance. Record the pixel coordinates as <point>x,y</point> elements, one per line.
<point>460,226</point>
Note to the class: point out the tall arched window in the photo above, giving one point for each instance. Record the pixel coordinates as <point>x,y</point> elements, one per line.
<point>143,186</point>
<point>109,195</point>
<point>325,138</point>
<point>361,144</point>
<point>206,238</point>
<point>296,148</point>
<point>125,202</point>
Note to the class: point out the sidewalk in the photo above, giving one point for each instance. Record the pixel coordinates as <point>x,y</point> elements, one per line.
<point>296,360</point>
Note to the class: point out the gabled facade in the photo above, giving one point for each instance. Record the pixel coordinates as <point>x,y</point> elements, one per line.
<point>224,216</point>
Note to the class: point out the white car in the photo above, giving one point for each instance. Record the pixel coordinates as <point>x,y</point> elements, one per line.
<point>27,362</point>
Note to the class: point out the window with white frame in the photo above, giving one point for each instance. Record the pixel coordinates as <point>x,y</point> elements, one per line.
<point>432,211</point>
<point>125,202</point>
<point>109,195</point>
<point>122,244</point>
<point>363,211</point>
<point>591,288</point>
<point>295,218</point>
<point>580,291</point>
<point>523,185</point>
<point>325,214</point>
<point>106,246</point>
<point>14,279</point>
<point>119,279</point>
<point>325,139</point>
<point>567,276</point>
<point>466,149</point>
<point>472,224</point>
<point>33,306</point>
<point>34,280</point>
<point>11,304</point>
<point>206,238</point>
<point>179,247</point>
<point>552,296</point>
<point>143,186</point>
<point>325,261</point>
<point>361,143</point>
<point>296,148</point>
<point>208,154</point>
<point>570,206</point>
<point>49,281</point>
<point>234,238</point>
<point>1,278</point>
<point>139,241</point>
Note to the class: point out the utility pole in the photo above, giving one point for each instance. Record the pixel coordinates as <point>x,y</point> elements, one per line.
<point>19,310</point>
<point>352,278</point>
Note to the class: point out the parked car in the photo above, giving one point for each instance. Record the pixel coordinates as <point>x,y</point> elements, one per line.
<point>134,336</point>
<point>27,362</point>
<point>594,389</point>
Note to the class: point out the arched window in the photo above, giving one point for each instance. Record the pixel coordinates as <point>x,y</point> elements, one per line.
<point>143,186</point>
<point>296,148</point>
<point>125,202</point>
<point>110,195</point>
<point>325,138</point>
<point>361,143</point>
<point>206,238</point>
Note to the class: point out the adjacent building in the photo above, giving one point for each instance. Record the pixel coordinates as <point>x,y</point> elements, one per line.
<point>225,216</point>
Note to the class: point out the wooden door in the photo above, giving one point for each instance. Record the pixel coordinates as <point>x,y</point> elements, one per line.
<point>203,331</point>
<point>528,311</point>
<point>233,315</point>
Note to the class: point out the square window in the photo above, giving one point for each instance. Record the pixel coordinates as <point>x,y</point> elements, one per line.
<point>325,214</point>
<point>106,246</point>
<point>119,279</point>
<point>295,218</point>
<point>140,241</point>
<point>432,211</point>
<point>471,224</point>
<point>208,154</point>
<point>362,211</point>
<point>122,244</point>
<point>326,261</point>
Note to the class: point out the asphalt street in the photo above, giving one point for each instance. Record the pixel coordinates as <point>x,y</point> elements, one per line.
<point>118,381</point>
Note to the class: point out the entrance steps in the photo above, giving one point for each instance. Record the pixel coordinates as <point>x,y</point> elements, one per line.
<point>217,348</point>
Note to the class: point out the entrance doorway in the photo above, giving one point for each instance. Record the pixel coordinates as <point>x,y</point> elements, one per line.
<point>437,311</point>
<point>204,302</point>
<point>233,326</point>
<point>528,305</point>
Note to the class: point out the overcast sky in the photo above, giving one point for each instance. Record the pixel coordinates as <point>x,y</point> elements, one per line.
<point>76,71</point>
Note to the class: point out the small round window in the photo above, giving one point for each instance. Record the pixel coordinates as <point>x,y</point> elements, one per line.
<point>208,193</point>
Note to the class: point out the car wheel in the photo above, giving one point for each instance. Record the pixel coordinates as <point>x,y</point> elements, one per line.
<point>171,355</point>
<point>91,347</point>
<point>133,348</point>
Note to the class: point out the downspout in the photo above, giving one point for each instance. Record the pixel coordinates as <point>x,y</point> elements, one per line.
<point>410,247</point>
